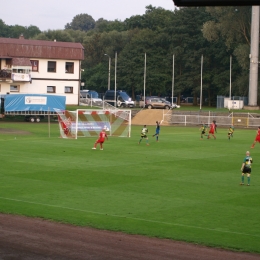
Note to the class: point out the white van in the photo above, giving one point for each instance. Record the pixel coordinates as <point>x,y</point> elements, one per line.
<point>122,98</point>
<point>91,97</point>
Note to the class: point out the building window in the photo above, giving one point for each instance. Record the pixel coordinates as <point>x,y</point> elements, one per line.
<point>51,89</point>
<point>68,89</point>
<point>69,67</point>
<point>14,88</point>
<point>35,65</point>
<point>51,66</point>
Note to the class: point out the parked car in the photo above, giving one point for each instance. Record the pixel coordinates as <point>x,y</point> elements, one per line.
<point>122,98</point>
<point>173,105</point>
<point>157,102</point>
<point>91,96</point>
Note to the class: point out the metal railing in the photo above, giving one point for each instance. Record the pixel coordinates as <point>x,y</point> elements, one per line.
<point>240,119</point>
<point>5,74</point>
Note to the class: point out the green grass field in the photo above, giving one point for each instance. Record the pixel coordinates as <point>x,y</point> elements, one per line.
<point>180,188</point>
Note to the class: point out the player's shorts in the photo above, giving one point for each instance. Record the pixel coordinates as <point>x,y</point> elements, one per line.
<point>211,132</point>
<point>257,139</point>
<point>246,170</point>
<point>203,132</point>
<point>100,141</point>
<point>143,136</point>
<point>157,132</point>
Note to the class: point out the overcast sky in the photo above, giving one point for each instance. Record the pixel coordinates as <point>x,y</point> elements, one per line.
<point>55,14</point>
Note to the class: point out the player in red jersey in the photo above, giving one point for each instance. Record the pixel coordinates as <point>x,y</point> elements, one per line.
<point>257,138</point>
<point>101,139</point>
<point>212,130</point>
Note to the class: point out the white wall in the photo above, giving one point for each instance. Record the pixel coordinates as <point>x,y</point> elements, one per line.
<point>42,79</point>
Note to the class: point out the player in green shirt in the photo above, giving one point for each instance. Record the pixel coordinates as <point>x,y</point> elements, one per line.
<point>203,130</point>
<point>246,168</point>
<point>231,131</point>
<point>144,133</point>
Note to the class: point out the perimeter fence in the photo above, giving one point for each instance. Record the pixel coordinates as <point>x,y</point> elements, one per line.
<point>243,120</point>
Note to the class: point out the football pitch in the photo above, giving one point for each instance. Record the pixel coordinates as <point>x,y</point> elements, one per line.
<point>180,188</point>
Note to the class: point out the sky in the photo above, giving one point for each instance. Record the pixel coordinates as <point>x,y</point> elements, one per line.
<point>55,14</point>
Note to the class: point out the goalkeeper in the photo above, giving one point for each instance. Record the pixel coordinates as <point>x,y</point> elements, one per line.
<point>101,139</point>
<point>157,131</point>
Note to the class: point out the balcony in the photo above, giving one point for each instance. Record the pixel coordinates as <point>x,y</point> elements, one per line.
<point>16,77</point>
<point>5,74</point>
<point>16,69</point>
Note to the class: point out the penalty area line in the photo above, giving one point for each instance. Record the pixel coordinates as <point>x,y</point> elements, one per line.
<point>132,218</point>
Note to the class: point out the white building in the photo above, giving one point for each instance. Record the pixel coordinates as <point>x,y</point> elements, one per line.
<point>41,67</point>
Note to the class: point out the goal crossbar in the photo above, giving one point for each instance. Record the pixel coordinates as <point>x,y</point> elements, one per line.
<point>88,122</point>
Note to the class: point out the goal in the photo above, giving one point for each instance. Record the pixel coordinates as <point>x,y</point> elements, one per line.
<point>89,123</point>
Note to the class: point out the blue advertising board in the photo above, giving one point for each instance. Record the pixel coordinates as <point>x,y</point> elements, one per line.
<point>34,102</point>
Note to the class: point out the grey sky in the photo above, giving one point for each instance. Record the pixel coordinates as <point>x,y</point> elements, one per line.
<point>55,14</point>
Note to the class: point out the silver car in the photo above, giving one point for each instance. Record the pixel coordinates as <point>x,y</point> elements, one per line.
<point>157,102</point>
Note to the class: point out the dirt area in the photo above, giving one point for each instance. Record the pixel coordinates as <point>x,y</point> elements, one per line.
<point>36,239</point>
<point>149,117</point>
<point>13,131</point>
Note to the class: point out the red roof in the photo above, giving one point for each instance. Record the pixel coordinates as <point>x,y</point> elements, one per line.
<point>21,62</point>
<point>10,48</point>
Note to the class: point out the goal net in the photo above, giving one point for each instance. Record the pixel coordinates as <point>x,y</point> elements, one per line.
<point>88,123</point>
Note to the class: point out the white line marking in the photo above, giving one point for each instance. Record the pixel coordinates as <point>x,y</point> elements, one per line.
<point>145,220</point>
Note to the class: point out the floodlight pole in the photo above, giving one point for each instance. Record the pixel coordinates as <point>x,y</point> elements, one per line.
<point>144,75</point>
<point>172,78</point>
<point>230,84</point>
<point>201,81</point>
<point>109,68</point>
<point>115,75</point>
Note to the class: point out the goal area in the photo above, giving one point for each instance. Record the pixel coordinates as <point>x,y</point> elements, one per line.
<point>89,123</point>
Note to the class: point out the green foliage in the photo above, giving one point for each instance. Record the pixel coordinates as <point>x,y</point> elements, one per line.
<point>180,188</point>
<point>3,29</point>
<point>82,22</point>
<point>232,23</point>
<point>102,25</point>
<point>185,33</point>
<point>116,26</point>
<point>51,35</point>
<point>14,31</point>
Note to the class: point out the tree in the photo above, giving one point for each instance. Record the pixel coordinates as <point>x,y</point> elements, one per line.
<point>83,22</point>
<point>96,45</point>
<point>232,26</point>
<point>153,19</point>
<point>4,29</point>
<point>230,23</point>
<point>132,63</point>
<point>31,31</point>
<point>102,25</point>
<point>58,35</point>
<point>188,45</point>
<point>16,30</point>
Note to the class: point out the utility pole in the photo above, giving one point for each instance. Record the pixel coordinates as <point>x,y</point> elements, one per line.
<point>253,76</point>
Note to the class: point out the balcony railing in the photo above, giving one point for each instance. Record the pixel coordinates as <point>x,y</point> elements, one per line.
<point>10,75</point>
<point>5,74</point>
<point>21,77</point>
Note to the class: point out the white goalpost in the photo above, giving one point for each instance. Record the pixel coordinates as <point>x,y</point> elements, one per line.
<point>88,123</point>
